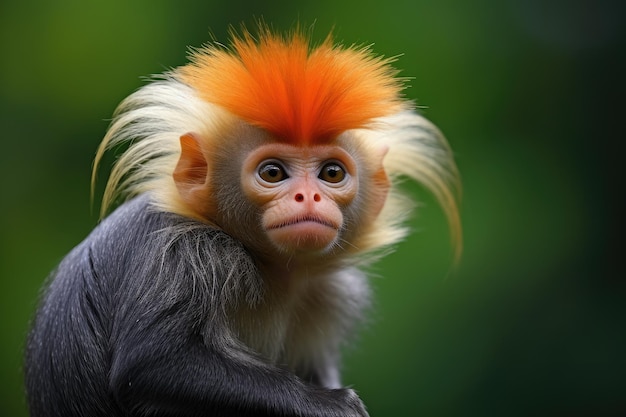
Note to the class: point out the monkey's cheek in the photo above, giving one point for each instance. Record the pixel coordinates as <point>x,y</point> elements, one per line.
<point>306,236</point>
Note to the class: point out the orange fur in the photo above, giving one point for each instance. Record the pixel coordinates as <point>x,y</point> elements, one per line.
<point>301,94</point>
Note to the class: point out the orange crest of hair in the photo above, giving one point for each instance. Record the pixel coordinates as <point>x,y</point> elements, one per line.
<point>302,94</point>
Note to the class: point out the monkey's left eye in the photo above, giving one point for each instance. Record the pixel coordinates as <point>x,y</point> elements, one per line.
<point>332,172</point>
<point>272,172</point>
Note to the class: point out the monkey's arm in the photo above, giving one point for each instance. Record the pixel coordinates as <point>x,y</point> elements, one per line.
<point>173,353</point>
<point>188,378</point>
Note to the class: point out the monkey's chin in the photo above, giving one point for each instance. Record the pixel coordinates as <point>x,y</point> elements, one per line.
<point>303,236</point>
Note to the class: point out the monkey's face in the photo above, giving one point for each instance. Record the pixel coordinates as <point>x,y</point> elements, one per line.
<point>301,193</point>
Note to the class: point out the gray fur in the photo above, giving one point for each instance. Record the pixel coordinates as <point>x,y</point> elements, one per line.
<point>155,314</point>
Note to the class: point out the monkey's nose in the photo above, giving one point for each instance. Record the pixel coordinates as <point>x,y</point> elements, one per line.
<point>300,197</point>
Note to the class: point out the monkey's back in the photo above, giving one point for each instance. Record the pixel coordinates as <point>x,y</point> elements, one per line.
<point>87,305</point>
<point>68,353</point>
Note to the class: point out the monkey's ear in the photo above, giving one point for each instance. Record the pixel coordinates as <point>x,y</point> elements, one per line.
<point>191,176</point>
<point>380,181</point>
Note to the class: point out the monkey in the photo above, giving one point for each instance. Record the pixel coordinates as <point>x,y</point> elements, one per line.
<point>257,184</point>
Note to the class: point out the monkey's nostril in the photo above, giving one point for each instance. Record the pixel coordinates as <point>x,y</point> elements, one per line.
<point>317,197</point>
<point>299,197</point>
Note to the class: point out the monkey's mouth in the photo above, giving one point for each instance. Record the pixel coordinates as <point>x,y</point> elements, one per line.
<point>304,233</point>
<point>303,220</point>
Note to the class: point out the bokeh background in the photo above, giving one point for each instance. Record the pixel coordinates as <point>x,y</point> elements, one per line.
<point>530,94</point>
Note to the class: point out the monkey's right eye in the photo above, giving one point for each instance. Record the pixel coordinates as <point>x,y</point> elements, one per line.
<point>272,172</point>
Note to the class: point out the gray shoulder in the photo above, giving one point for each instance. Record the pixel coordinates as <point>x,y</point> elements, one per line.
<point>140,231</point>
<point>138,242</point>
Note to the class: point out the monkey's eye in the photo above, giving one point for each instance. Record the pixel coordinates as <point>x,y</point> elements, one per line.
<point>272,172</point>
<point>332,172</point>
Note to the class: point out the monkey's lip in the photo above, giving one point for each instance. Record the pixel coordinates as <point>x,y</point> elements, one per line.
<point>303,233</point>
<point>303,220</point>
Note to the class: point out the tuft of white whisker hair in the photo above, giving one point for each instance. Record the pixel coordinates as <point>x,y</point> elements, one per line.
<point>419,151</point>
<point>151,121</point>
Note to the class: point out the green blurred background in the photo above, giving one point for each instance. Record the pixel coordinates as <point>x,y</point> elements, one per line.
<point>530,94</point>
